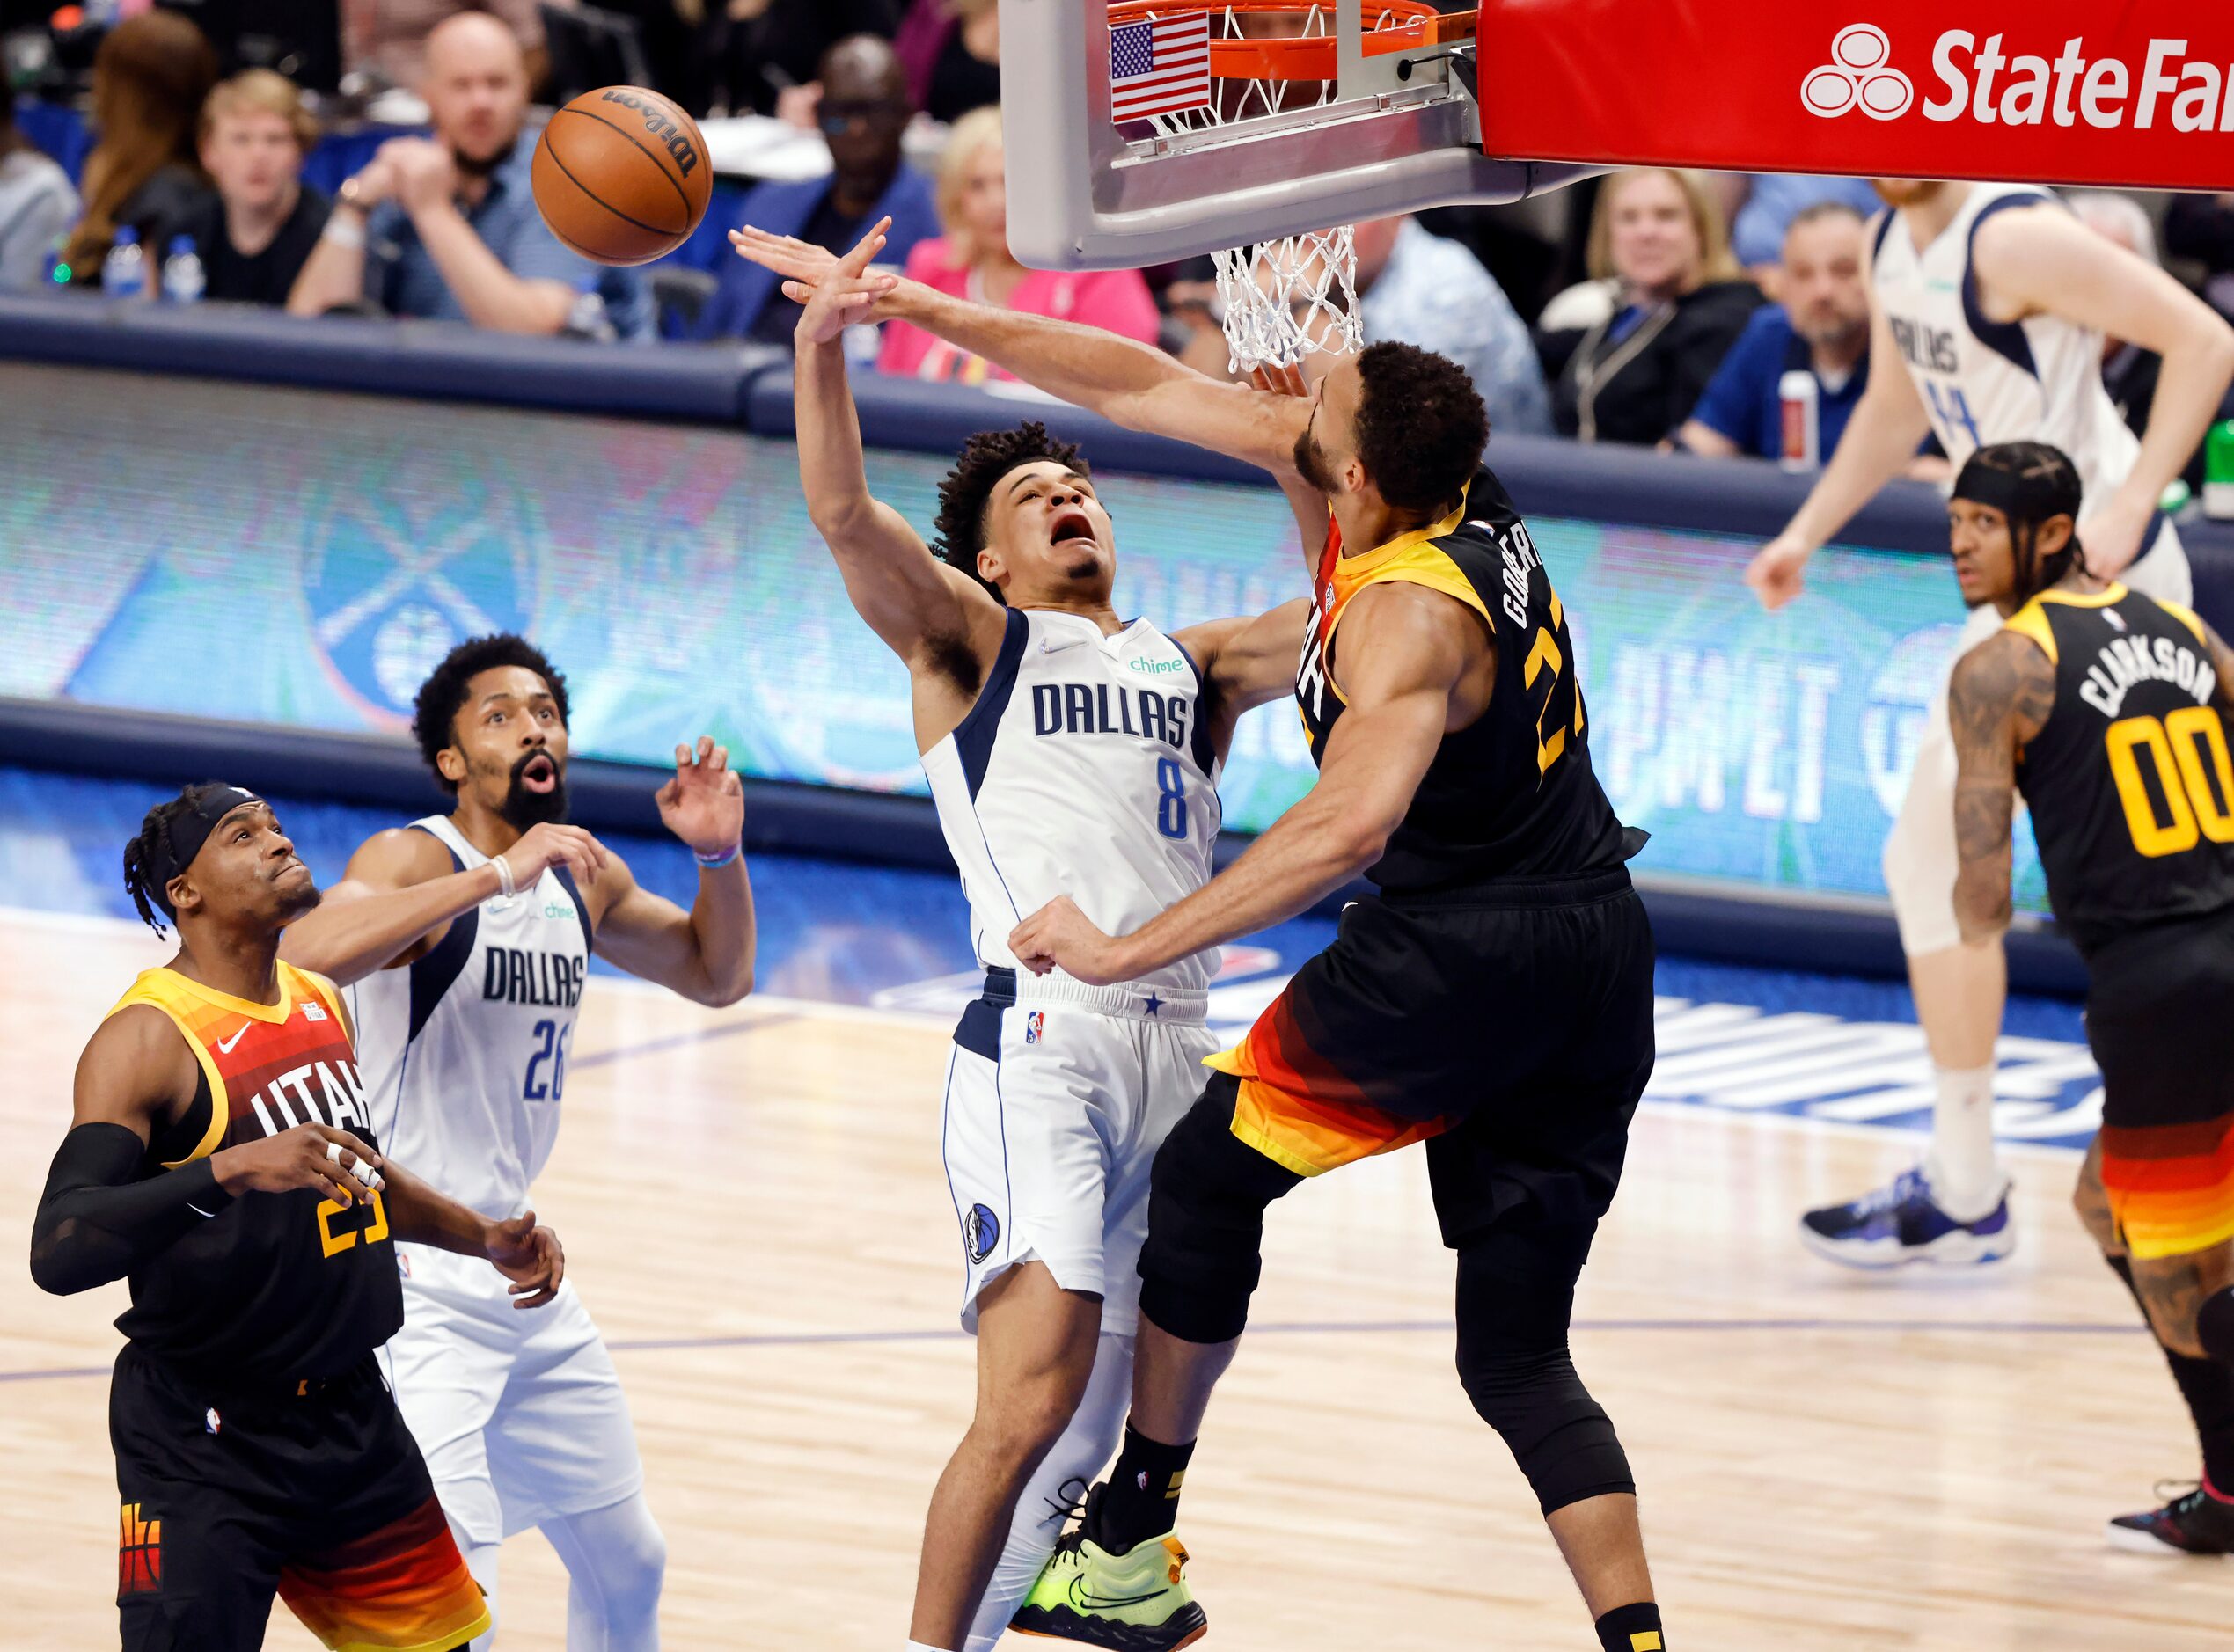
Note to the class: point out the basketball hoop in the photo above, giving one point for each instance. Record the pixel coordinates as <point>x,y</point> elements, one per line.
<point>1288,298</point>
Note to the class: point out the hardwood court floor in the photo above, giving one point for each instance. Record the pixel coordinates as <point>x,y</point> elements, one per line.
<point>753,1207</point>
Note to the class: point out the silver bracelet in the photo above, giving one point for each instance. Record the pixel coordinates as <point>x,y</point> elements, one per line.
<point>503,876</point>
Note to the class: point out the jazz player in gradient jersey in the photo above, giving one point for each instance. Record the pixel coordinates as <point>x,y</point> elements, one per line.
<point>218,1156</point>
<point>1493,999</point>
<point>2108,710</point>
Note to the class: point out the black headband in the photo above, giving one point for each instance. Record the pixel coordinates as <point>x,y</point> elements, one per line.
<point>2019,497</point>
<point>181,840</point>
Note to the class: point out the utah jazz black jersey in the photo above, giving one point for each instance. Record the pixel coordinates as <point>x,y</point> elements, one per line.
<point>271,1286</point>
<point>2128,782</point>
<point>1511,795</point>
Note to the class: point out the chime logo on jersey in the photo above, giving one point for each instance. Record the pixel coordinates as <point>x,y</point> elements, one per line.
<point>981,1232</point>
<point>2192,90</point>
<point>1033,1022</point>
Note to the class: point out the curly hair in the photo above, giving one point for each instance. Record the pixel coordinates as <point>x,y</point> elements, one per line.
<point>433,713</point>
<point>139,854</point>
<point>1421,426</point>
<point>963,494</point>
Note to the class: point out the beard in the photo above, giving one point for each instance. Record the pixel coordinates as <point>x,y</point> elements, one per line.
<point>523,808</point>
<point>1905,192</point>
<point>1311,462</point>
<point>482,165</point>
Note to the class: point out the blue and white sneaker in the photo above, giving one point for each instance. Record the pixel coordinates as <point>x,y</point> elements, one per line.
<point>1901,1223</point>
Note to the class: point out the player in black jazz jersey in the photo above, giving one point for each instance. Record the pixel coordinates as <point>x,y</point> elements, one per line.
<point>218,1157</point>
<point>1493,999</point>
<point>2108,710</point>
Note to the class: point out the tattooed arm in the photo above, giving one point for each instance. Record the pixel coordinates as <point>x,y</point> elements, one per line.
<point>1998,699</point>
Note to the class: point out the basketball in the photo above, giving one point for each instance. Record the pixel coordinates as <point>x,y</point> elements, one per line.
<point>622,176</point>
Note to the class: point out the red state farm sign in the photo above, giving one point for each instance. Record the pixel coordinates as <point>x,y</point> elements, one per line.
<point>2092,92</point>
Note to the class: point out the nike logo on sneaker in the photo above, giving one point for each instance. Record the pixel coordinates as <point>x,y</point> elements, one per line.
<point>224,1045</point>
<point>1085,1600</point>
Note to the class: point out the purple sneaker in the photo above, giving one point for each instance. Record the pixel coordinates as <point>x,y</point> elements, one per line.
<point>1901,1223</point>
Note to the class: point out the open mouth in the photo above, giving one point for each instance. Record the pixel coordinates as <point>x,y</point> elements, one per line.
<point>1070,527</point>
<point>539,774</point>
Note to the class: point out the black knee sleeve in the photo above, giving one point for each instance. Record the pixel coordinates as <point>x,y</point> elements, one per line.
<point>1207,1198</point>
<point>1515,1295</point>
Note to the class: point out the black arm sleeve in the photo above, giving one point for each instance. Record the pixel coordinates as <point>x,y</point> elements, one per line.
<point>96,1222</point>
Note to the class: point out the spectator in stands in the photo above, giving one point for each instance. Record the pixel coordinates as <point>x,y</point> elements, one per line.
<point>1629,352</point>
<point>766,52</point>
<point>387,39</point>
<point>973,259</point>
<point>257,230</point>
<point>1766,204</point>
<point>447,228</point>
<point>1414,288</point>
<point>150,74</point>
<point>37,208</point>
<point>2129,373</point>
<point>2201,227</point>
<point>862,110</point>
<point>1821,327</point>
<point>952,50</point>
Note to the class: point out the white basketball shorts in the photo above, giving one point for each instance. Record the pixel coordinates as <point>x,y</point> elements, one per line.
<point>517,1411</point>
<point>1055,1105</point>
<point>1920,862</point>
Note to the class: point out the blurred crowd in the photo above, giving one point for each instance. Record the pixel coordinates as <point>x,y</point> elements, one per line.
<point>1653,307</point>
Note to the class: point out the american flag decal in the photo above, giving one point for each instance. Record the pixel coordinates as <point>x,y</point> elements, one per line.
<point>1159,66</point>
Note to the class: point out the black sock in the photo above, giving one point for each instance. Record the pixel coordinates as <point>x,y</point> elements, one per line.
<point>1140,1499</point>
<point>1631,1629</point>
<point>2208,1385</point>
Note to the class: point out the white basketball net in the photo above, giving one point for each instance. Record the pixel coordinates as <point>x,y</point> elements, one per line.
<point>1283,300</point>
<point>1286,300</point>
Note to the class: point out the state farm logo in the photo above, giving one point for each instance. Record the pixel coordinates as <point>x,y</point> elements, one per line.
<point>1980,81</point>
<point>1859,75</point>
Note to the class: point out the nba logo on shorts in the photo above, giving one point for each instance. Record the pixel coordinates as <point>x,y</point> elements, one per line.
<point>1032,1024</point>
<point>981,1232</point>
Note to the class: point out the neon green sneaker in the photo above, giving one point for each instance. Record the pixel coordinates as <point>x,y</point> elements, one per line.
<point>1138,1602</point>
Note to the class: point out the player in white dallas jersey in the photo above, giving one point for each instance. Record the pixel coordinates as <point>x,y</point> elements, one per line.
<point>464,941</point>
<point>1996,300</point>
<point>1068,752</point>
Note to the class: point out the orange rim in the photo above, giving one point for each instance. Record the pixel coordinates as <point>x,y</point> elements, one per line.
<point>1391,25</point>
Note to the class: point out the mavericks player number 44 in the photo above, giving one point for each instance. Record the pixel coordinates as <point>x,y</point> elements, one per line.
<point>2108,710</point>
<point>220,1157</point>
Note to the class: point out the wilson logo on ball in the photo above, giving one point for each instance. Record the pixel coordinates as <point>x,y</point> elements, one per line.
<point>656,123</point>
<point>619,175</point>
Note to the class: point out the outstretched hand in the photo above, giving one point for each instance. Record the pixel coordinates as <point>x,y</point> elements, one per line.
<point>704,804</point>
<point>530,1256</point>
<point>836,292</point>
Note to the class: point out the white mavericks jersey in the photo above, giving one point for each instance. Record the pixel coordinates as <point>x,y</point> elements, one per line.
<point>1985,381</point>
<point>1085,769</point>
<point>464,1053</point>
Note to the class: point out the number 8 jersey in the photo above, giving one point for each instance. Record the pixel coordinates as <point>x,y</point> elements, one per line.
<point>2129,780</point>
<point>465,1050</point>
<point>1086,769</point>
<point>1512,794</point>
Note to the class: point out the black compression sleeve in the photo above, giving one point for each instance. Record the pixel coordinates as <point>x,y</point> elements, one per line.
<point>97,1223</point>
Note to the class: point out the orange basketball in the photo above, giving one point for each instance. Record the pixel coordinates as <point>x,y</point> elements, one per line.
<point>621,175</point>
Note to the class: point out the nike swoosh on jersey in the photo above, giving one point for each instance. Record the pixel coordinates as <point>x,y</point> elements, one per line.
<point>224,1045</point>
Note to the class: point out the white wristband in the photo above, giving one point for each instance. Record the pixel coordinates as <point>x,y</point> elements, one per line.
<point>503,876</point>
<point>343,231</point>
